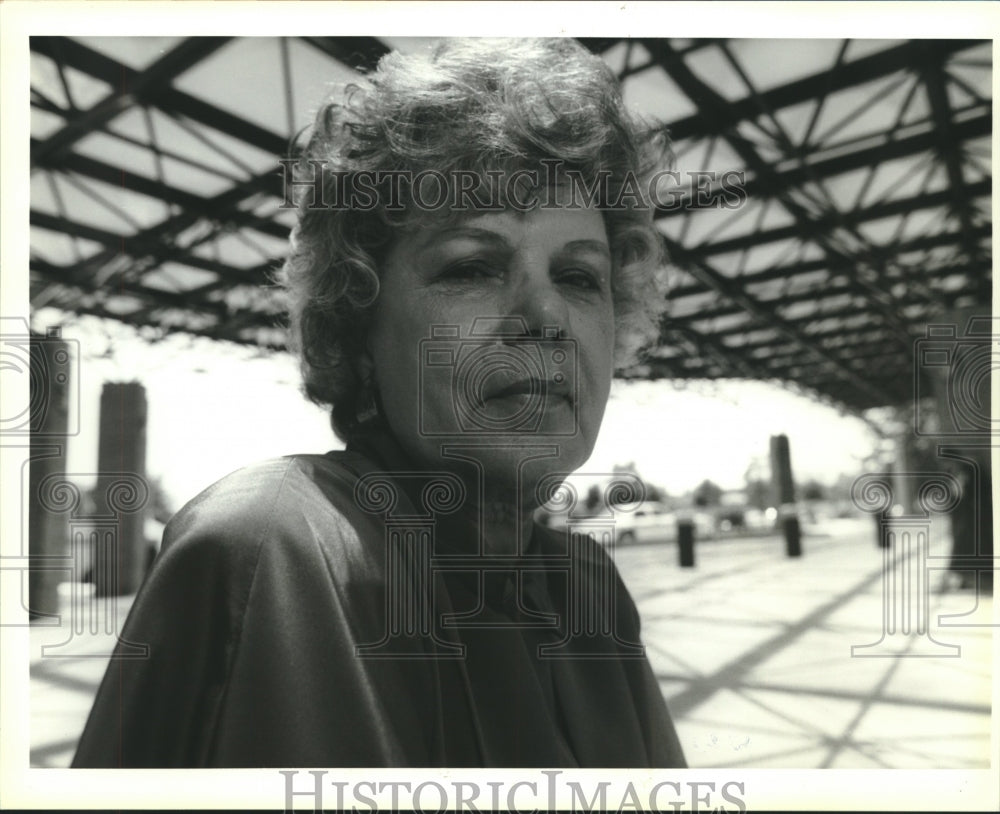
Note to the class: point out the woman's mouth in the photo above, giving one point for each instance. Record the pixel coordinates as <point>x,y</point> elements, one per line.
<point>526,390</point>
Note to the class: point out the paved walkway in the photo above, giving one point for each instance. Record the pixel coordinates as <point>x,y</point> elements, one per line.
<point>754,654</point>
<point>753,651</point>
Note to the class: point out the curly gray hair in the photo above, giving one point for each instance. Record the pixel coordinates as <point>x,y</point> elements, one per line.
<point>474,106</point>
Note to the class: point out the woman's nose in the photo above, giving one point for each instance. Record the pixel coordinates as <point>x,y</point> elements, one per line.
<point>537,299</point>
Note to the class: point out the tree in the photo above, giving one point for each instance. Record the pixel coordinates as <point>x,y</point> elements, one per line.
<point>707,493</point>
<point>813,490</point>
<point>757,484</point>
<point>758,493</point>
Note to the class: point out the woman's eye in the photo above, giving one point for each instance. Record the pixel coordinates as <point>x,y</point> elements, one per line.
<point>469,270</point>
<point>580,278</point>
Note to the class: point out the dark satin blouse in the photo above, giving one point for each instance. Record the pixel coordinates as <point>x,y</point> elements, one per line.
<point>269,582</point>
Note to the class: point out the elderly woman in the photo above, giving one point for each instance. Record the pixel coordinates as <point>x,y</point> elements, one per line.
<point>474,254</point>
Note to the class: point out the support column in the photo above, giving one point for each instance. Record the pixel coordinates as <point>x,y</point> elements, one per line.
<point>784,494</point>
<point>48,531</point>
<point>954,365</point>
<point>120,569</point>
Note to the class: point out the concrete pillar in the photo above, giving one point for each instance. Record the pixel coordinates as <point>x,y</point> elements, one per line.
<point>119,568</point>
<point>48,530</point>
<point>972,552</point>
<point>784,494</point>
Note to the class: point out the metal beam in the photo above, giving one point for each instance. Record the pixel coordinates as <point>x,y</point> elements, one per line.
<point>727,288</point>
<point>66,276</point>
<point>137,322</point>
<point>138,246</point>
<point>71,276</point>
<point>165,233</point>
<point>816,294</point>
<point>787,272</point>
<point>774,184</point>
<point>848,74</point>
<point>103,67</point>
<point>218,208</point>
<point>949,150</point>
<point>916,324</point>
<point>827,223</point>
<point>715,108</point>
<point>126,94</point>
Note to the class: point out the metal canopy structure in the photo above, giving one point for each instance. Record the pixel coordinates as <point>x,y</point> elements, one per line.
<point>832,197</point>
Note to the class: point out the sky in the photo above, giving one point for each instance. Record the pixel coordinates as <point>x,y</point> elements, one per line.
<point>681,433</point>
<point>214,407</point>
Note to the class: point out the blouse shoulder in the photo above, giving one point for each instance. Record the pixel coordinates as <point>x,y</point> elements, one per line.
<point>292,503</point>
<point>229,616</point>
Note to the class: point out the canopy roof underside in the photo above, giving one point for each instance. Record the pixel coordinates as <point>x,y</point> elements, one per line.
<point>865,167</point>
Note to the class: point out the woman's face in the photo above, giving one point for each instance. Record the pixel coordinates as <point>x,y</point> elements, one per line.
<point>449,372</point>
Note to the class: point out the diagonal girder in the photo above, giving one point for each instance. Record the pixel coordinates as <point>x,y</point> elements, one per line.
<point>64,50</point>
<point>140,246</point>
<point>847,74</point>
<point>163,234</point>
<point>824,302</point>
<point>714,108</point>
<point>887,148</point>
<point>69,276</point>
<point>923,312</point>
<point>948,148</point>
<point>786,272</point>
<point>100,66</point>
<point>126,93</point>
<point>218,332</point>
<point>830,288</point>
<point>727,288</point>
<point>219,208</point>
<point>887,209</point>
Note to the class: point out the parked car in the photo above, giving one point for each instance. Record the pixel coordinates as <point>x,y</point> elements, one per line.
<point>645,522</point>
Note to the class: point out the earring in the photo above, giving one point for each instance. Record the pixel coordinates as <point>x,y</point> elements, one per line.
<point>367,404</point>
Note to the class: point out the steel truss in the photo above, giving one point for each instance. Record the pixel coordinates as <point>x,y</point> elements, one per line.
<point>850,240</point>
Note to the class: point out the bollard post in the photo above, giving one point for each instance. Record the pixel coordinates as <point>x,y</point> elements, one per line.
<point>793,534</point>
<point>685,542</point>
<point>884,540</point>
